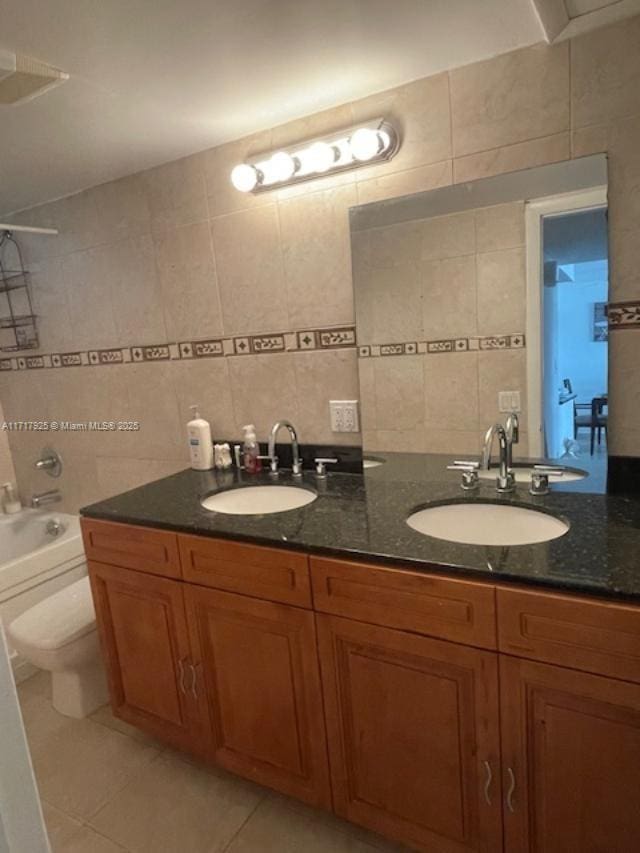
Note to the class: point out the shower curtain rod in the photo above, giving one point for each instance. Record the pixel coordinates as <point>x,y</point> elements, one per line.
<point>28,229</point>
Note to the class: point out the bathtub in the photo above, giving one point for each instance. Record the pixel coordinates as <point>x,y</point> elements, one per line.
<point>35,563</point>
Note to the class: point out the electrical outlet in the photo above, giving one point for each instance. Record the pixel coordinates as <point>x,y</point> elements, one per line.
<point>508,401</point>
<point>344,416</point>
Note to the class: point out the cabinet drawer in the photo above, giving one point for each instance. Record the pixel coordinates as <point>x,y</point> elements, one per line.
<point>596,636</point>
<point>132,547</point>
<point>448,608</point>
<point>270,573</point>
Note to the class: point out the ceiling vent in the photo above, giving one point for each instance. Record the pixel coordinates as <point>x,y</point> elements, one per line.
<point>23,78</point>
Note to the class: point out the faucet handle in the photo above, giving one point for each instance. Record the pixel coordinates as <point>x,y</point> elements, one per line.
<point>272,460</point>
<point>550,470</point>
<point>469,471</point>
<point>322,462</point>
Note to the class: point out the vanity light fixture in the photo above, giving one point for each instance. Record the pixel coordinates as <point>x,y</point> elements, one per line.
<point>348,149</point>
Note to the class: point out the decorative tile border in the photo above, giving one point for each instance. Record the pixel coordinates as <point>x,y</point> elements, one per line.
<point>623,315</point>
<point>490,342</point>
<point>343,337</point>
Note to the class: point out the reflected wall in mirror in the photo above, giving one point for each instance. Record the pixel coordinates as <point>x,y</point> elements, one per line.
<point>480,299</point>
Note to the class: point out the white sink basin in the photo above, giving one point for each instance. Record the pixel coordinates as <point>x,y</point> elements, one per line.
<point>258,500</point>
<point>523,475</point>
<point>487,524</point>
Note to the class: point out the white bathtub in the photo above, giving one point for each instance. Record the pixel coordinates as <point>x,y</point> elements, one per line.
<point>34,564</point>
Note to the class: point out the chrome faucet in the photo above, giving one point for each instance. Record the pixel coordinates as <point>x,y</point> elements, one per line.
<point>512,429</point>
<point>43,498</point>
<point>296,462</point>
<point>505,481</point>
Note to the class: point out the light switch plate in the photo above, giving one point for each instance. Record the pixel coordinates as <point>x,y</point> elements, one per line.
<point>344,416</point>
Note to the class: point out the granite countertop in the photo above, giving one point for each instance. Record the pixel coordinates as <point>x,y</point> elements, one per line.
<point>362,516</point>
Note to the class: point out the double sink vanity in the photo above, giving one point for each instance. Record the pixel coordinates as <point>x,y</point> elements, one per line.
<point>440,649</point>
<point>452,696</point>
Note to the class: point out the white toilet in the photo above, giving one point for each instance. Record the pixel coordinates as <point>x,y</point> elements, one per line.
<point>59,634</point>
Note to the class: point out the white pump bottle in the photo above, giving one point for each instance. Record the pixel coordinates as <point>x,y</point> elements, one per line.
<point>200,443</point>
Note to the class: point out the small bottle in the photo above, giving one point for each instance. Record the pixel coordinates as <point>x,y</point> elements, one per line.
<point>10,500</point>
<point>200,444</point>
<point>251,450</point>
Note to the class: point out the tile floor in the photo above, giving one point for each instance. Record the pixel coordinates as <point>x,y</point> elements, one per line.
<point>107,788</point>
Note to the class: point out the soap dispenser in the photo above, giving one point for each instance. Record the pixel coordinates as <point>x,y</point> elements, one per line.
<point>251,450</point>
<point>200,443</point>
<point>10,500</point>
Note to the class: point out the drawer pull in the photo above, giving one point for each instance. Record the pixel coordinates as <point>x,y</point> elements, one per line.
<point>512,788</point>
<point>488,780</point>
<point>194,678</point>
<point>183,689</point>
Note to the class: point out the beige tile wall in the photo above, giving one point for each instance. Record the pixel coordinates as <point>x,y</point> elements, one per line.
<point>7,473</point>
<point>129,251</point>
<point>456,276</point>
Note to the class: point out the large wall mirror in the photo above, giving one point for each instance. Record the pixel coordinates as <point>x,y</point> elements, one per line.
<point>479,299</point>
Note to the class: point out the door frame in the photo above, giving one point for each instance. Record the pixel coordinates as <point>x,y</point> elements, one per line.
<point>21,820</point>
<point>535,211</point>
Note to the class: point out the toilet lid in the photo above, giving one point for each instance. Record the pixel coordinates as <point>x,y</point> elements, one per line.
<point>58,620</point>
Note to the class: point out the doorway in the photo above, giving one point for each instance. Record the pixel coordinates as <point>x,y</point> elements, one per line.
<point>569,383</point>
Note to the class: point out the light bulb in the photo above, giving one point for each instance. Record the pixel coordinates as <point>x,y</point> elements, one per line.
<point>279,167</point>
<point>319,157</point>
<point>244,177</point>
<point>365,144</point>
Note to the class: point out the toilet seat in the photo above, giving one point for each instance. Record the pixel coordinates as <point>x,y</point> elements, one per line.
<point>63,618</point>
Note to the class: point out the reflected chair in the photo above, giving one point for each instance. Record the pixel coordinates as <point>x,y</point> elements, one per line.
<point>593,417</point>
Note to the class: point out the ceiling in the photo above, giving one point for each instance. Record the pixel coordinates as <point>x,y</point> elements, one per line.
<point>575,8</point>
<point>153,80</point>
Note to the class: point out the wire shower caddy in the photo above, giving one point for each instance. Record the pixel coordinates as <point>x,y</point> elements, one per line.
<point>18,328</point>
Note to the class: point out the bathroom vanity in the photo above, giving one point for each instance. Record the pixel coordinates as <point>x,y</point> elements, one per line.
<point>452,697</point>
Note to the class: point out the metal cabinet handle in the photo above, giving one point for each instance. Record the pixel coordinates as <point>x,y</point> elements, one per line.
<point>512,788</point>
<point>183,688</point>
<point>487,783</point>
<point>194,678</point>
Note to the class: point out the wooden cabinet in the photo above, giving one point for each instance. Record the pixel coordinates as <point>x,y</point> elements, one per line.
<point>571,760</point>
<point>145,643</point>
<point>376,690</point>
<point>596,636</point>
<point>446,608</point>
<point>260,673</point>
<point>151,551</point>
<point>412,727</point>
<point>270,573</point>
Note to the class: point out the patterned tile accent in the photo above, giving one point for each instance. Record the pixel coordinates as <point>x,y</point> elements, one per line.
<point>202,349</point>
<point>308,339</point>
<point>157,352</point>
<point>267,343</point>
<point>623,315</point>
<point>490,342</point>
<point>440,346</point>
<point>34,362</point>
<point>392,349</point>
<point>242,346</point>
<point>331,338</point>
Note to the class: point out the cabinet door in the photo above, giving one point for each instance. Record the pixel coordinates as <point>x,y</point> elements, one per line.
<point>571,760</point>
<point>145,643</point>
<point>412,725</point>
<point>261,675</point>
